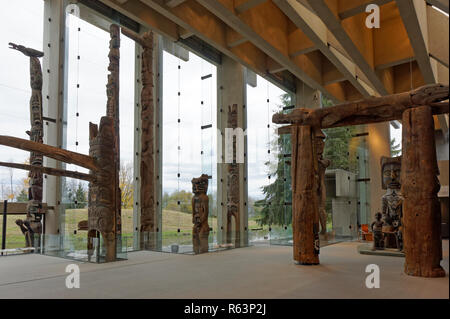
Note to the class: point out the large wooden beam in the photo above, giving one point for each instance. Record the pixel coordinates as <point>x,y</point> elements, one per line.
<point>50,171</point>
<point>330,18</point>
<point>369,110</point>
<point>317,31</point>
<point>414,16</point>
<point>349,9</point>
<point>421,208</point>
<point>191,17</point>
<point>305,214</point>
<point>50,151</point>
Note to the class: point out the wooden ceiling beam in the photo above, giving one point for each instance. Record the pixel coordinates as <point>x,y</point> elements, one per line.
<point>243,5</point>
<point>267,28</point>
<point>414,16</point>
<point>316,30</point>
<point>357,7</point>
<point>174,3</point>
<point>339,29</point>
<point>438,35</point>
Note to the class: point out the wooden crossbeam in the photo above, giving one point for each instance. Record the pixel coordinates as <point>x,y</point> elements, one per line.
<point>21,208</point>
<point>370,110</point>
<point>50,151</point>
<point>51,171</point>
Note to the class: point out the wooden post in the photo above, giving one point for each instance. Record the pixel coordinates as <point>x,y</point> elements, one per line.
<point>305,214</point>
<point>102,204</point>
<point>420,185</point>
<point>112,110</point>
<point>5,211</point>
<point>233,189</point>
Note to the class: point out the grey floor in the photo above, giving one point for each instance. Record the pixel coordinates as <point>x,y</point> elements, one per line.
<point>254,272</point>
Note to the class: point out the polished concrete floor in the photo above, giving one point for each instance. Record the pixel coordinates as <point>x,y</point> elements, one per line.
<point>254,272</point>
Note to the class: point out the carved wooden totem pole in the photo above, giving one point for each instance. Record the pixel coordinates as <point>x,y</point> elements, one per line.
<point>200,211</point>
<point>305,197</point>
<point>32,225</point>
<point>420,185</point>
<point>233,189</point>
<point>392,201</point>
<point>421,210</point>
<point>102,204</point>
<point>323,163</point>
<point>148,227</point>
<point>112,110</point>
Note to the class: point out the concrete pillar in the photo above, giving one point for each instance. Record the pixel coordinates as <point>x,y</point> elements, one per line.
<point>232,89</point>
<point>306,96</point>
<point>54,103</point>
<point>378,144</point>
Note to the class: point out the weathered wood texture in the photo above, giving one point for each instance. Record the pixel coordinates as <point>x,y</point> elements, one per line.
<point>200,212</point>
<point>50,171</point>
<point>50,151</point>
<point>233,183</point>
<point>22,208</point>
<point>420,185</point>
<point>36,134</point>
<point>147,166</point>
<point>102,208</point>
<point>370,110</point>
<point>113,111</point>
<point>305,199</point>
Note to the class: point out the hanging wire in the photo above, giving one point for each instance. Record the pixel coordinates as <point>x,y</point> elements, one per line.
<point>78,85</point>
<point>179,141</point>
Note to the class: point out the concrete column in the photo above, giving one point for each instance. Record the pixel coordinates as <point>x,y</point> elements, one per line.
<point>306,96</point>
<point>54,105</point>
<point>232,89</point>
<point>378,144</point>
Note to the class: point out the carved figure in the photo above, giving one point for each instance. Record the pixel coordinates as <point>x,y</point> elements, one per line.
<point>319,139</point>
<point>200,211</point>
<point>112,110</point>
<point>392,201</point>
<point>102,206</point>
<point>233,189</point>
<point>377,229</point>
<point>34,208</point>
<point>148,213</point>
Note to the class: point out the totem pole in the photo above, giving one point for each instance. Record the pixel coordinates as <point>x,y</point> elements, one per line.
<point>112,110</point>
<point>420,185</point>
<point>392,201</point>
<point>323,163</point>
<point>200,211</point>
<point>233,188</point>
<point>32,225</point>
<point>102,204</point>
<point>148,227</point>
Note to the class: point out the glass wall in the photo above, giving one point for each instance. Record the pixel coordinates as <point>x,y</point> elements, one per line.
<point>189,147</point>
<point>268,173</point>
<point>87,60</point>
<point>24,29</point>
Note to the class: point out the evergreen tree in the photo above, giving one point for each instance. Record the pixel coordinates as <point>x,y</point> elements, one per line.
<point>272,210</point>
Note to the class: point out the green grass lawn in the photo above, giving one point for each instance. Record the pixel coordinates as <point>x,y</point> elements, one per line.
<point>171,221</point>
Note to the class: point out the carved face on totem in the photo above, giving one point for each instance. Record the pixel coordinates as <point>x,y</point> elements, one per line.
<point>319,141</point>
<point>200,185</point>
<point>390,168</point>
